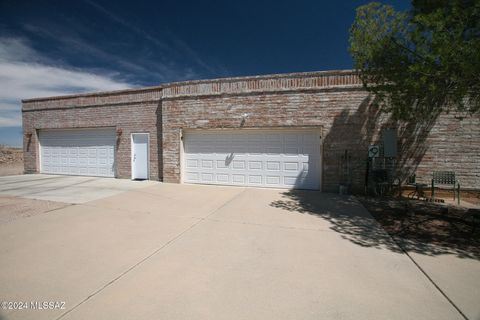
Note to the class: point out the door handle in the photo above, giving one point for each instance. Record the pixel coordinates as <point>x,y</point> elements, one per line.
<point>134,157</point>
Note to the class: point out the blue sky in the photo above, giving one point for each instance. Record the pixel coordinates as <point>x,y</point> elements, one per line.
<point>60,47</point>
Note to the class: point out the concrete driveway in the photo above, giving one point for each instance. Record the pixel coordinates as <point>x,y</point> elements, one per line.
<point>67,189</point>
<point>172,251</point>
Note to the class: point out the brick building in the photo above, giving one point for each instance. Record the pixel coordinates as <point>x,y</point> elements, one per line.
<point>304,130</point>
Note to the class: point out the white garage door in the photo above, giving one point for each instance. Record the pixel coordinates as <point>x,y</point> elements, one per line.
<point>280,159</point>
<point>86,152</point>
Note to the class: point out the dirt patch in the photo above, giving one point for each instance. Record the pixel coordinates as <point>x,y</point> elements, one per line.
<point>11,161</point>
<point>428,228</point>
<point>14,208</point>
<point>472,197</point>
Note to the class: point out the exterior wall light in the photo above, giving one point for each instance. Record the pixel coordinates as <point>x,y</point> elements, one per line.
<point>119,132</point>
<point>246,115</point>
<point>244,118</point>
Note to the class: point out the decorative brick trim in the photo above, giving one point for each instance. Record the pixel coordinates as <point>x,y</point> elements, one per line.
<point>95,99</point>
<point>339,79</point>
<point>264,84</point>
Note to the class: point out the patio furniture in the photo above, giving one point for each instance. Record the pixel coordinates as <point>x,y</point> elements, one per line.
<point>380,180</point>
<point>419,188</point>
<point>475,218</point>
<point>446,178</point>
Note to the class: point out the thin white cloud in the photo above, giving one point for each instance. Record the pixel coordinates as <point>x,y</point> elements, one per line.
<point>25,74</point>
<point>136,67</point>
<point>181,45</point>
<point>127,24</point>
<point>15,49</point>
<point>10,114</point>
<point>30,80</point>
<point>10,121</point>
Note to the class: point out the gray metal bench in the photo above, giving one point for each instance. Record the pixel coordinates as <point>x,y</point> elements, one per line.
<point>446,178</point>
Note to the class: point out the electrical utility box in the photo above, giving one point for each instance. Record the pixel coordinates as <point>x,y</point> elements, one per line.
<point>389,143</point>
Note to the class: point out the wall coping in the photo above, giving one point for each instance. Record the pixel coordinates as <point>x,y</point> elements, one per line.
<point>243,84</point>
<point>341,79</point>
<point>95,94</point>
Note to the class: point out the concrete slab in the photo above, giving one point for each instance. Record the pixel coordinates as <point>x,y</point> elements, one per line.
<point>67,189</point>
<point>179,251</point>
<point>240,271</point>
<point>68,254</point>
<point>172,199</point>
<point>297,209</point>
<point>457,276</point>
<point>13,208</point>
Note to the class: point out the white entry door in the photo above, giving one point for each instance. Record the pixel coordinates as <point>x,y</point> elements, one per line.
<point>140,155</point>
<point>86,152</point>
<point>249,157</point>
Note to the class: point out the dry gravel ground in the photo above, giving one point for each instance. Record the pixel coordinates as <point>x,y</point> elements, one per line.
<point>11,161</point>
<point>13,208</point>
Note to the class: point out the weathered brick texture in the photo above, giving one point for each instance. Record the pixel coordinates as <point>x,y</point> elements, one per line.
<point>333,101</point>
<point>130,111</point>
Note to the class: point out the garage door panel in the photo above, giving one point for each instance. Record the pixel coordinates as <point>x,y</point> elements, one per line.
<point>255,180</point>
<point>272,180</point>
<point>192,176</point>
<point>238,165</point>
<point>253,158</point>
<point>255,165</point>
<point>291,166</point>
<point>207,164</point>
<point>207,177</point>
<point>290,181</point>
<point>223,178</point>
<point>192,163</point>
<point>78,151</point>
<point>238,179</point>
<point>273,165</point>
<point>222,164</point>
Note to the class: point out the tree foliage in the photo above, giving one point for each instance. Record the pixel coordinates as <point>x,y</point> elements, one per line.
<point>423,61</point>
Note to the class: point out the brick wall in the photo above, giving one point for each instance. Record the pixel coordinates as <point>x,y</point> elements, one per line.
<point>128,110</point>
<point>333,101</point>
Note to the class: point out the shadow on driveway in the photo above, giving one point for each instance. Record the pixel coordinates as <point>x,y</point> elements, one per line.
<point>362,229</point>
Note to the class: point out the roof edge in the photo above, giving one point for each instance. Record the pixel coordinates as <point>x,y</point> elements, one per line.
<point>95,94</point>
<point>264,76</point>
<point>192,82</point>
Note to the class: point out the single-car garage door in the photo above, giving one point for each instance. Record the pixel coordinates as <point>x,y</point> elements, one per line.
<point>86,152</point>
<point>249,157</point>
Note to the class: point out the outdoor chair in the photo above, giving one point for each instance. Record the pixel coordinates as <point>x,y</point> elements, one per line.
<point>419,188</point>
<point>446,178</point>
<point>473,216</point>
<point>380,180</point>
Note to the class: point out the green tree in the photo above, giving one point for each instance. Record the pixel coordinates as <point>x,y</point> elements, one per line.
<point>423,61</point>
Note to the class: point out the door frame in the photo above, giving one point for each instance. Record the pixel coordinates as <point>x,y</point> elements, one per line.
<point>132,144</point>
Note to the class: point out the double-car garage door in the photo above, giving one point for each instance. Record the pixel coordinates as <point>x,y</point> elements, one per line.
<point>88,152</point>
<point>249,157</point>
<point>263,158</point>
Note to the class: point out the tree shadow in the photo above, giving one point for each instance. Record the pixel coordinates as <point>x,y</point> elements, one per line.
<point>353,130</point>
<point>348,217</point>
<point>427,228</point>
